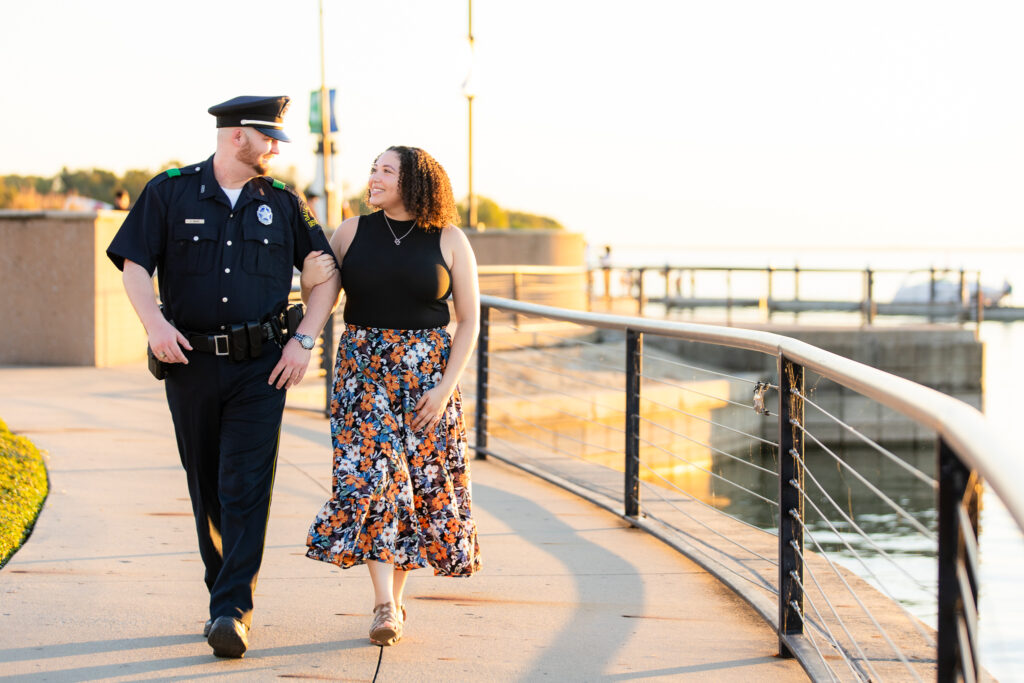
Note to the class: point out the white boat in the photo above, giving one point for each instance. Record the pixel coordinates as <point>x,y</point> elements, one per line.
<point>948,292</point>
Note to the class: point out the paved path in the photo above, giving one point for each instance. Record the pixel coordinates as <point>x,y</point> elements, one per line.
<point>109,585</point>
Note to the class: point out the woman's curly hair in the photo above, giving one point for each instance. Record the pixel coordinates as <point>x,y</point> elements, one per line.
<point>424,187</point>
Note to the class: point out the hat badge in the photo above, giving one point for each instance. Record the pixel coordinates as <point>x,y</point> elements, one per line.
<point>264,214</point>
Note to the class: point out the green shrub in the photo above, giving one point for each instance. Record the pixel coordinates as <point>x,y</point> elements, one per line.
<point>23,488</point>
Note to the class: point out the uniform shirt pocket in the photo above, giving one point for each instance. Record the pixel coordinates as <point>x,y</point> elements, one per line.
<point>263,251</point>
<point>193,247</point>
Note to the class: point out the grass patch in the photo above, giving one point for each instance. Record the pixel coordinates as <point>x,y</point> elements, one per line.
<point>23,488</point>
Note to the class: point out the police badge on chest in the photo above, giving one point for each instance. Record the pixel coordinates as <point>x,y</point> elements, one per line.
<point>264,214</point>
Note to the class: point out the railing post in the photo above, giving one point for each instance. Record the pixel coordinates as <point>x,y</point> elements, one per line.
<point>958,599</point>
<point>979,298</point>
<point>482,368</point>
<point>639,291</point>
<point>791,500</point>
<point>728,296</point>
<point>869,296</point>
<point>517,294</point>
<point>634,366</point>
<point>327,347</point>
<point>964,298</point>
<point>931,294</point>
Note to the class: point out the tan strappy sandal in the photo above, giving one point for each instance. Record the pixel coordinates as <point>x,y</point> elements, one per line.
<point>386,628</point>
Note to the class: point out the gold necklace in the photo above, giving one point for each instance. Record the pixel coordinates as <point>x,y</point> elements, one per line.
<point>398,240</point>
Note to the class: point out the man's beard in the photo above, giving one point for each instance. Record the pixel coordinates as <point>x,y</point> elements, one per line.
<point>247,155</point>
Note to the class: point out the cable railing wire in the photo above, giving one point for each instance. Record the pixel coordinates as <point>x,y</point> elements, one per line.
<point>764,586</point>
<point>867,569</point>
<point>538,350</point>
<point>873,444</point>
<point>711,448</point>
<point>710,422</point>
<point>849,520</point>
<point>896,507</point>
<point>707,471</point>
<point>603,449</point>
<point>823,623</point>
<point>881,630</point>
<point>560,374</point>
<point>668,502</point>
<point>697,500</point>
<point>699,393</point>
<point>796,608</point>
<point>582,418</point>
<point>669,361</point>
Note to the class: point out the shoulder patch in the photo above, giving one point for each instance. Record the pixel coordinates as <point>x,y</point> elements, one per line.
<point>184,170</point>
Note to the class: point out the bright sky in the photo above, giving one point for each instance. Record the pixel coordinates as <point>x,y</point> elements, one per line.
<point>658,122</point>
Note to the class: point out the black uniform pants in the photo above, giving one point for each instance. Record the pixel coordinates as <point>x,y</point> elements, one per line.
<point>227,420</point>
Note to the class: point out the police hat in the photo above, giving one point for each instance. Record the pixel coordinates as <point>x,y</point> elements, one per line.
<point>262,113</point>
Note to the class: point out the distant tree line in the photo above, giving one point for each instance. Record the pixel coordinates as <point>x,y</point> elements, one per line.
<point>38,192</point>
<point>32,192</point>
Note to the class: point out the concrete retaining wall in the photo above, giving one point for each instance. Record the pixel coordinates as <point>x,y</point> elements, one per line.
<point>63,302</point>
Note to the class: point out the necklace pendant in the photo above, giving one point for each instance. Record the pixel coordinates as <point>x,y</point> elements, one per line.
<point>398,241</point>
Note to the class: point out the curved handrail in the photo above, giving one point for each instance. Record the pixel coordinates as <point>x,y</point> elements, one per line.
<point>965,428</point>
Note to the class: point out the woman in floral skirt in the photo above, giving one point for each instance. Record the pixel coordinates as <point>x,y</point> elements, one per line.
<point>401,491</point>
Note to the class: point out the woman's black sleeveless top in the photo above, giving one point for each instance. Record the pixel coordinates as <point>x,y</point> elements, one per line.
<point>395,286</point>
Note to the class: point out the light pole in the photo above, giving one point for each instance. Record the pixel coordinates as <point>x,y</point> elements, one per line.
<point>468,91</point>
<point>329,216</point>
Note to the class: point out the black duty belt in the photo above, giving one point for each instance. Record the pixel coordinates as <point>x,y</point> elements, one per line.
<point>238,342</point>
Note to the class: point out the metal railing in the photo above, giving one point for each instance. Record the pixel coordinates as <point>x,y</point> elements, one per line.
<point>790,581</point>
<point>678,279</point>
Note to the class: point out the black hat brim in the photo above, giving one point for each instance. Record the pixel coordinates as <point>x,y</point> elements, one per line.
<point>273,133</point>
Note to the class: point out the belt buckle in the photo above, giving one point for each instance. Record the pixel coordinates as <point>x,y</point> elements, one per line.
<point>216,344</point>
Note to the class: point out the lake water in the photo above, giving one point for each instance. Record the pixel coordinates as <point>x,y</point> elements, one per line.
<point>1002,542</point>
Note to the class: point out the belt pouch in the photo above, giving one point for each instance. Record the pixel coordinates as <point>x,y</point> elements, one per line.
<point>239,343</point>
<point>294,316</point>
<point>157,368</point>
<point>255,341</point>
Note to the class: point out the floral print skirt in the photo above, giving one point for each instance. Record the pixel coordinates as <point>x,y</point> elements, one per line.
<point>398,496</point>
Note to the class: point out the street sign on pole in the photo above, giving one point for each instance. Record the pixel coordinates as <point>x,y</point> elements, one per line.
<point>316,125</point>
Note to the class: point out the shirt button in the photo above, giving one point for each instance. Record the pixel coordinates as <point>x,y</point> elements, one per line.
<point>197,168</point>
<point>195,238</point>
<point>229,243</point>
<point>227,270</point>
<point>265,240</point>
<point>224,299</point>
<point>223,327</point>
<point>231,216</point>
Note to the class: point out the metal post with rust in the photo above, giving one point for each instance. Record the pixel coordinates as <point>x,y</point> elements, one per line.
<point>639,291</point>
<point>482,370</point>
<point>634,366</point>
<point>791,501</point>
<point>957,648</point>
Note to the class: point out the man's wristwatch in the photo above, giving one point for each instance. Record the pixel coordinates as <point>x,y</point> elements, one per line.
<point>306,341</point>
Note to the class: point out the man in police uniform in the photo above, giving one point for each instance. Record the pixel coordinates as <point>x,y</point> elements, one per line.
<point>224,238</point>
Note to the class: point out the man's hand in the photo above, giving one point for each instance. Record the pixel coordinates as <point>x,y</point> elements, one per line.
<point>290,370</point>
<point>317,267</point>
<point>167,342</point>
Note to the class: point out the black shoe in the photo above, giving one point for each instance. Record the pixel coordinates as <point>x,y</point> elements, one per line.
<point>228,637</point>
<point>206,628</point>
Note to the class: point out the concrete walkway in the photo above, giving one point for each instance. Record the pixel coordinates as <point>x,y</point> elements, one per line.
<point>109,586</point>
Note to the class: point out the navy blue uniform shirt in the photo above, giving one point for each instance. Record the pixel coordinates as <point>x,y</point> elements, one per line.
<point>217,265</point>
